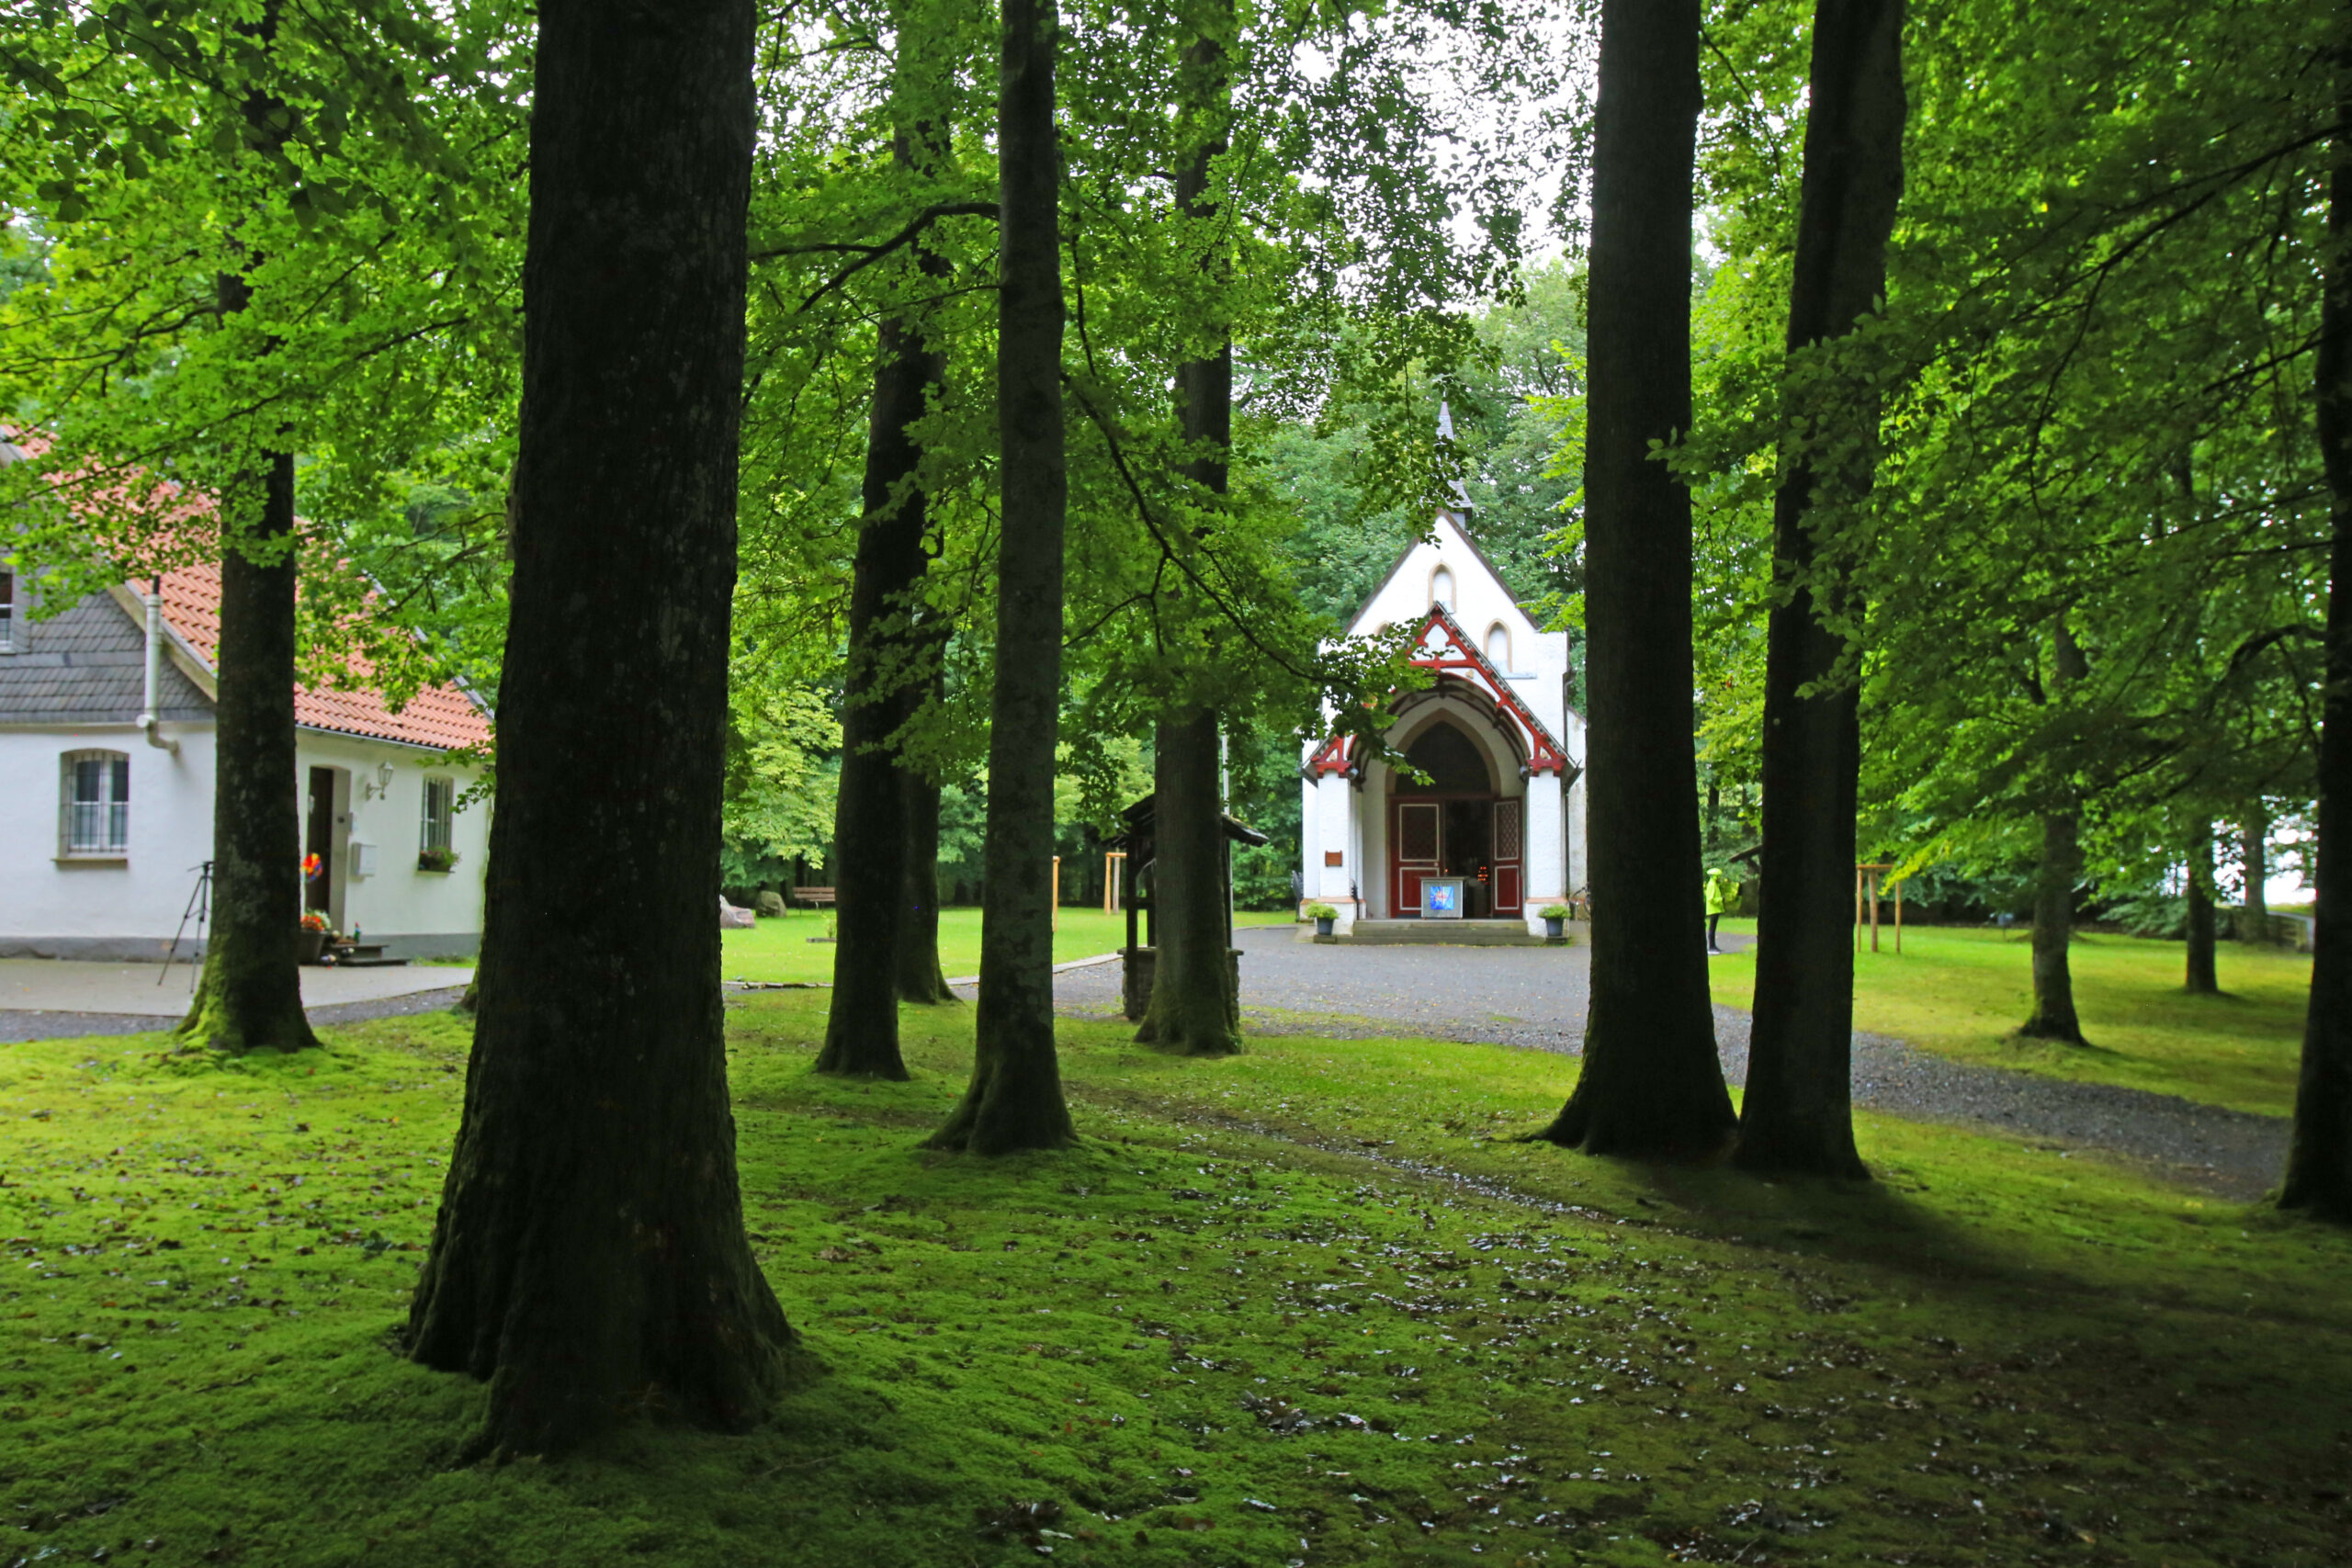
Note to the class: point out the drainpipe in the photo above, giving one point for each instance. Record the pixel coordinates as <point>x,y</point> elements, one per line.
<point>147,721</point>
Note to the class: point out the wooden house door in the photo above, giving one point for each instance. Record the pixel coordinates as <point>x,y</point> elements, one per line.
<point>1510,856</point>
<point>1413,849</point>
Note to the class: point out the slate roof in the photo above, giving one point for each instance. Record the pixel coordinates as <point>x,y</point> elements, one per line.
<point>88,665</point>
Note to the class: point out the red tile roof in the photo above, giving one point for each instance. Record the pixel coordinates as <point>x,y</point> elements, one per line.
<point>439,716</point>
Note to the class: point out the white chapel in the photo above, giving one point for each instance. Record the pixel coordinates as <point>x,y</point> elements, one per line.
<point>1497,832</point>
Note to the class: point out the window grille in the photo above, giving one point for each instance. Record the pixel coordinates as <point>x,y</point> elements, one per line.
<point>440,811</point>
<point>8,612</point>
<point>95,810</point>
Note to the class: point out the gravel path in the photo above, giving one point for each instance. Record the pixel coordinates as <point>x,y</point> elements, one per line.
<point>28,1024</point>
<point>1535,997</point>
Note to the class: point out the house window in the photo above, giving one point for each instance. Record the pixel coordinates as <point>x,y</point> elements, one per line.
<point>1499,647</point>
<point>8,612</point>
<point>1442,588</point>
<point>440,811</point>
<point>95,817</point>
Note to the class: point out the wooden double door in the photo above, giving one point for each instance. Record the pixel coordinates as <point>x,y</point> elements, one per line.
<point>1481,839</point>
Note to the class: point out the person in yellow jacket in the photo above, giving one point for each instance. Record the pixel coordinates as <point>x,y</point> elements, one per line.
<point>1723,897</point>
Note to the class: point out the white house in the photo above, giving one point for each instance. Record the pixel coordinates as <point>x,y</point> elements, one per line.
<point>1501,813</point>
<point>107,737</point>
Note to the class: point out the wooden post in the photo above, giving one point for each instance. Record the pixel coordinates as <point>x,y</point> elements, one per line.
<point>1114,863</point>
<point>1898,916</point>
<point>1873,909</point>
<point>1058,893</point>
<point>1858,908</point>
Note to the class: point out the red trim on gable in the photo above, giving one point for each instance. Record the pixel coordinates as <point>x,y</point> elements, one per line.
<point>1459,660</point>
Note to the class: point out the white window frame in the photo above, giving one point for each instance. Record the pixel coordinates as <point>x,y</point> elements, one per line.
<point>437,830</point>
<point>1501,663</point>
<point>1446,596</point>
<point>98,827</point>
<point>8,612</point>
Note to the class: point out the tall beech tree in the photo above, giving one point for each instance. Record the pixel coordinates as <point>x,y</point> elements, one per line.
<point>1651,1084</point>
<point>2319,1155</point>
<point>2199,975</point>
<point>2059,873</point>
<point>876,833</point>
<point>1798,1113</point>
<point>1015,1100</point>
<point>589,1258</point>
<point>1195,1005</point>
<point>251,991</point>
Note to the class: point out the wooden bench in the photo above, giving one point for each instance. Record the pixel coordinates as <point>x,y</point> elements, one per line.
<point>814,897</point>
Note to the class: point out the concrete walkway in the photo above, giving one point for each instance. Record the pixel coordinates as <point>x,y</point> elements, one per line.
<point>53,985</point>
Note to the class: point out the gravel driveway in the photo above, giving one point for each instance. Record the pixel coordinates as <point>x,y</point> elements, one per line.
<point>1535,997</point>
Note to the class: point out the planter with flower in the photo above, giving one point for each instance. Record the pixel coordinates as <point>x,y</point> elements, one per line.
<point>439,858</point>
<point>1555,917</point>
<point>310,940</point>
<point>1322,915</point>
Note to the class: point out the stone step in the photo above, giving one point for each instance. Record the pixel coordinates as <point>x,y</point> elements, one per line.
<point>1456,933</point>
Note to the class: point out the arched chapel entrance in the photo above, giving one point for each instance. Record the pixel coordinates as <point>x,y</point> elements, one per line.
<point>1460,822</point>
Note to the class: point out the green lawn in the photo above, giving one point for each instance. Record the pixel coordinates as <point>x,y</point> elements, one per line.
<point>781,949</point>
<point>1963,990</point>
<point>1307,1305</point>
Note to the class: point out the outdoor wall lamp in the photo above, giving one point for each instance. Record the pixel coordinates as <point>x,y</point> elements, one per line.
<point>381,784</point>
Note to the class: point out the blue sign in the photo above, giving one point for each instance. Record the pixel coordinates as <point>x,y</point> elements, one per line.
<point>1441,899</point>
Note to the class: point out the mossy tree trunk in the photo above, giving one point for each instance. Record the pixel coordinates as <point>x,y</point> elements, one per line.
<point>920,978</point>
<point>1651,1085</point>
<point>1797,1115</point>
<point>2054,883</point>
<point>1194,1007</point>
<point>250,993</point>
<point>2200,978</point>
<point>2319,1154</point>
<point>1015,1100</point>
<point>589,1259</point>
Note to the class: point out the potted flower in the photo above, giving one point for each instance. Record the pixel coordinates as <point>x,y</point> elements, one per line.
<point>439,858</point>
<point>1322,915</point>
<point>311,938</point>
<point>1555,917</point>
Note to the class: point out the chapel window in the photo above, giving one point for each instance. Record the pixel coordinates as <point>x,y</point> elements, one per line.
<point>93,812</point>
<point>1499,647</point>
<point>1442,588</point>
<point>8,612</point>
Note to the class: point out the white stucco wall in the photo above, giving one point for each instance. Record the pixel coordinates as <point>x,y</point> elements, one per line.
<point>1338,815</point>
<point>130,907</point>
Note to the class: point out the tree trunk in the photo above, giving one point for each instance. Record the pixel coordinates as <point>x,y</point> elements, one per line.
<point>870,844</point>
<point>2319,1156</point>
<point>2053,894</point>
<point>2200,978</point>
<point>1194,1008</point>
<point>1797,1115</point>
<point>920,978</point>
<point>251,991</point>
<point>1651,1084</point>
<point>1014,1100</point>
<point>589,1259</point>
<point>2253,843</point>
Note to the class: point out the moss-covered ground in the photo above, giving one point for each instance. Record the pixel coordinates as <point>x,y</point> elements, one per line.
<point>782,949</point>
<point>1963,990</point>
<point>1307,1305</point>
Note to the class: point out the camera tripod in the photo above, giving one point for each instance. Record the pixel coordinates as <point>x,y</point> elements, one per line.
<point>199,906</point>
